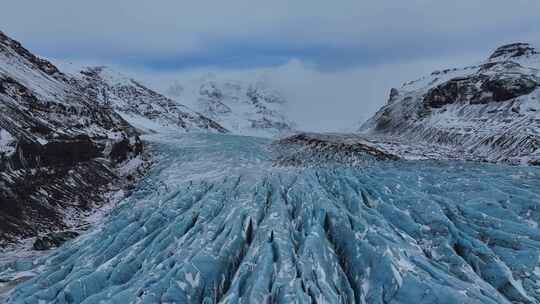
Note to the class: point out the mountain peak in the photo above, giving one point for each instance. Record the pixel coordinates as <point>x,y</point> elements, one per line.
<point>141,106</point>
<point>243,107</point>
<point>514,50</point>
<point>488,112</point>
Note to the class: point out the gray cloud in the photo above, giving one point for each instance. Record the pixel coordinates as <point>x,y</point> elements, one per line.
<point>137,31</point>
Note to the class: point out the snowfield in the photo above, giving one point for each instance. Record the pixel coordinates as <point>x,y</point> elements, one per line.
<point>218,221</point>
<point>7,143</point>
<point>251,108</point>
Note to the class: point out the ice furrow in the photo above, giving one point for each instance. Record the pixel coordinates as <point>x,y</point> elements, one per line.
<point>234,228</point>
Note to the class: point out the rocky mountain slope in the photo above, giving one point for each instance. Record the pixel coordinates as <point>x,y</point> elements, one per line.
<point>243,108</point>
<point>58,145</point>
<point>315,149</point>
<point>68,138</point>
<point>140,105</point>
<point>489,111</point>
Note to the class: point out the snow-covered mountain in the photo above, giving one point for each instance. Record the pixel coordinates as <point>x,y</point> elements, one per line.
<point>139,105</point>
<point>58,145</point>
<point>64,137</point>
<point>489,111</point>
<point>246,108</point>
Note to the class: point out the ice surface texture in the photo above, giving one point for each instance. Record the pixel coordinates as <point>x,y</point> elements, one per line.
<point>216,222</point>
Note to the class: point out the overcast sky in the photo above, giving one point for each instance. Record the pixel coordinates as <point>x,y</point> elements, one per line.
<point>335,60</point>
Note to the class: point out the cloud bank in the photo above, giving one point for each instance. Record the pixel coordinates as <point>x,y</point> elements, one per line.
<point>171,34</point>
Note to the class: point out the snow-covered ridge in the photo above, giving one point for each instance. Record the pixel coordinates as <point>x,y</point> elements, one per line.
<point>140,105</point>
<point>59,146</point>
<point>489,111</point>
<point>246,108</point>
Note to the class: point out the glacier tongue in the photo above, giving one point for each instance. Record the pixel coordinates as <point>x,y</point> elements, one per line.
<point>217,222</point>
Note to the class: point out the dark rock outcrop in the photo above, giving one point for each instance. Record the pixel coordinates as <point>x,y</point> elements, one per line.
<point>313,149</point>
<point>506,87</point>
<point>481,89</point>
<point>394,94</point>
<point>514,50</point>
<point>54,239</point>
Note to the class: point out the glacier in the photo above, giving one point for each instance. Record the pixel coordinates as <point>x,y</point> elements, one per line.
<point>217,220</point>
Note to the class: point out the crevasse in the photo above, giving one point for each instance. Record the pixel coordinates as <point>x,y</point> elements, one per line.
<point>216,222</point>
